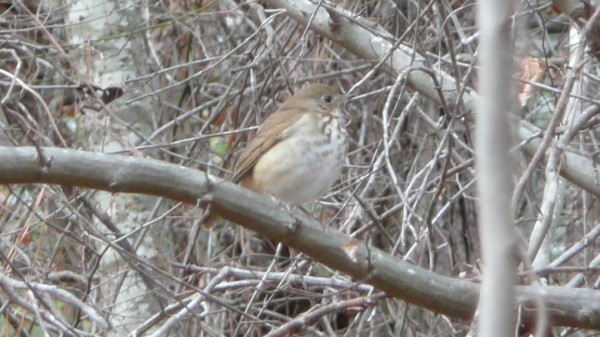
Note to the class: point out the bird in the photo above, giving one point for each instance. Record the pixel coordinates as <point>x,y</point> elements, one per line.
<point>298,152</point>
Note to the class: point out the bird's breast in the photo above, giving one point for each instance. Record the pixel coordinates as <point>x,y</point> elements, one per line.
<point>305,164</point>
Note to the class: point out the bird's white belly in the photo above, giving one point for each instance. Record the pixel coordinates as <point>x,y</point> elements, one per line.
<point>300,168</point>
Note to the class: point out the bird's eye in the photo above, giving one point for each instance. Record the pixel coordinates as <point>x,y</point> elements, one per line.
<point>327,98</point>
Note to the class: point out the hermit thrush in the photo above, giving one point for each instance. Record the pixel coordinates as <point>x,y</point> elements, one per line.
<point>297,153</point>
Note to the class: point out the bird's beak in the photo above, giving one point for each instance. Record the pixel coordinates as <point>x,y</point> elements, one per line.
<point>349,96</point>
<point>346,98</point>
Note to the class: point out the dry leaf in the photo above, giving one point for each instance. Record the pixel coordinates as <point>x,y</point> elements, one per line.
<point>530,70</point>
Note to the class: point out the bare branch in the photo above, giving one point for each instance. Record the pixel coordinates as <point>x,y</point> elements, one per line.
<point>442,294</point>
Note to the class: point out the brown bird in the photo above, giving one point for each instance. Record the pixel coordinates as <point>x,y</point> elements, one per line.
<point>298,152</point>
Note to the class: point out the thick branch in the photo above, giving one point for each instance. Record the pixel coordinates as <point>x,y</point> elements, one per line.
<point>494,171</point>
<point>371,42</point>
<point>442,294</point>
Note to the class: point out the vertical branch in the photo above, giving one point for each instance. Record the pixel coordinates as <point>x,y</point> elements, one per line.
<point>493,135</point>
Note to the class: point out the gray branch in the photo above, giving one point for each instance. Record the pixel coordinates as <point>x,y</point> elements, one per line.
<point>442,294</point>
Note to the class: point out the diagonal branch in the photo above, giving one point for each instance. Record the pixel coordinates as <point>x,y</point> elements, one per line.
<point>442,294</point>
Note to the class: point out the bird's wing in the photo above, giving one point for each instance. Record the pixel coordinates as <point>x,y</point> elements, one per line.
<point>268,135</point>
